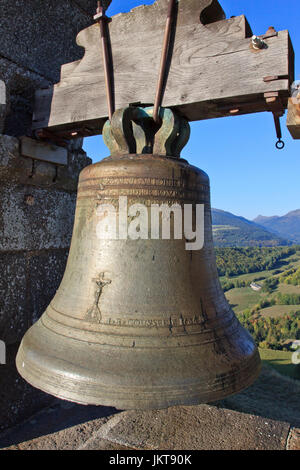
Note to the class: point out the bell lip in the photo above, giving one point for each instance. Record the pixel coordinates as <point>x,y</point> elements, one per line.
<point>72,389</point>
<point>131,404</point>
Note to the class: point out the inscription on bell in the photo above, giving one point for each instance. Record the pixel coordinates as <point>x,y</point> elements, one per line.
<point>156,322</point>
<point>136,181</point>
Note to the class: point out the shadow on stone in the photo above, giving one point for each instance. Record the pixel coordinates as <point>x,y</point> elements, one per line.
<point>61,415</point>
<point>272,396</point>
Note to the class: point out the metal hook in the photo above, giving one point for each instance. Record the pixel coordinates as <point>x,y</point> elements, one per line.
<point>280,144</point>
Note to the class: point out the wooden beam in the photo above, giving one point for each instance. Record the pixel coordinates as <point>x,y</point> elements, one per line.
<point>213,65</point>
<point>293,117</point>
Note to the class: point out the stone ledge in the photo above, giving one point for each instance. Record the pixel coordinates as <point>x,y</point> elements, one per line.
<point>200,427</point>
<point>63,425</point>
<point>293,442</point>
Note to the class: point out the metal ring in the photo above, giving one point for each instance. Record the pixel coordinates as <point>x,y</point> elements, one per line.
<point>280,144</point>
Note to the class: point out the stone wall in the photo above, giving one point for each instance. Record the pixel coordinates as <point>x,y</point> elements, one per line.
<point>37,37</point>
<point>37,204</point>
<point>37,199</point>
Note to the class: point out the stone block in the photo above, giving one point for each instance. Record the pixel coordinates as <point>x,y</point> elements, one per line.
<point>33,47</point>
<point>18,400</point>
<point>13,297</point>
<point>12,166</point>
<point>28,283</point>
<point>15,168</point>
<point>43,37</point>
<point>200,427</point>
<point>294,439</point>
<point>22,84</point>
<point>63,425</point>
<point>33,218</point>
<point>45,270</point>
<point>44,151</point>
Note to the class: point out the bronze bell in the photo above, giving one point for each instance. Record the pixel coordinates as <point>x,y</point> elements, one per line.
<point>139,323</point>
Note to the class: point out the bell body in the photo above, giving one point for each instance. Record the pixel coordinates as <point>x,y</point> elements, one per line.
<point>139,323</point>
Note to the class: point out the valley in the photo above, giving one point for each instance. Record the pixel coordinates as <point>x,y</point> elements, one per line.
<point>272,313</point>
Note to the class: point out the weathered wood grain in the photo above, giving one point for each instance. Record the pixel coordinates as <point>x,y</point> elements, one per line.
<point>43,151</point>
<point>293,117</point>
<point>212,64</point>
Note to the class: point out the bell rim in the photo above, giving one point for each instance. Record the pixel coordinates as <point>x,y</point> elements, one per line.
<point>185,399</point>
<point>67,387</point>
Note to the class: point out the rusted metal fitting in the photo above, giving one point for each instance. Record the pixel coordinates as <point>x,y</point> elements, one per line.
<point>274,102</point>
<point>44,134</point>
<point>258,43</point>
<point>100,13</point>
<point>103,21</point>
<point>163,61</point>
<point>272,78</point>
<point>270,33</point>
<point>275,105</point>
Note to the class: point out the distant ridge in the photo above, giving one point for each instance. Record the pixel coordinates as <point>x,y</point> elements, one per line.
<point>287,226</point>
<point>232,230</point>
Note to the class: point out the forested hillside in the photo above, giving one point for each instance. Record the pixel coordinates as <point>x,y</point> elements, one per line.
<point>231,230</point>
<point>287,226</point>
<point>235,261</point>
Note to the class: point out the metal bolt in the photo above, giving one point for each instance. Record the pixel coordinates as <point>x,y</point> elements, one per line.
<point>295,95</point>
<point>258,43</point>
<point>295,89</point>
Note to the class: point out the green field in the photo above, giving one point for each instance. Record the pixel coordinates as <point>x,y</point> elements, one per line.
<point>288,289</point>
<point>251,276</point>
<point>245,298</point>
<point>280,360</point>
<point>279,310</point>
<point>271,326</point>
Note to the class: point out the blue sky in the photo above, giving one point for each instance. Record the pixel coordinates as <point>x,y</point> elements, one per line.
<point>248,175</point>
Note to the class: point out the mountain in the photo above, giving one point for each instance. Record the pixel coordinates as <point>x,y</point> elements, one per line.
<point>231,230</point>
<point>287,226</point>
